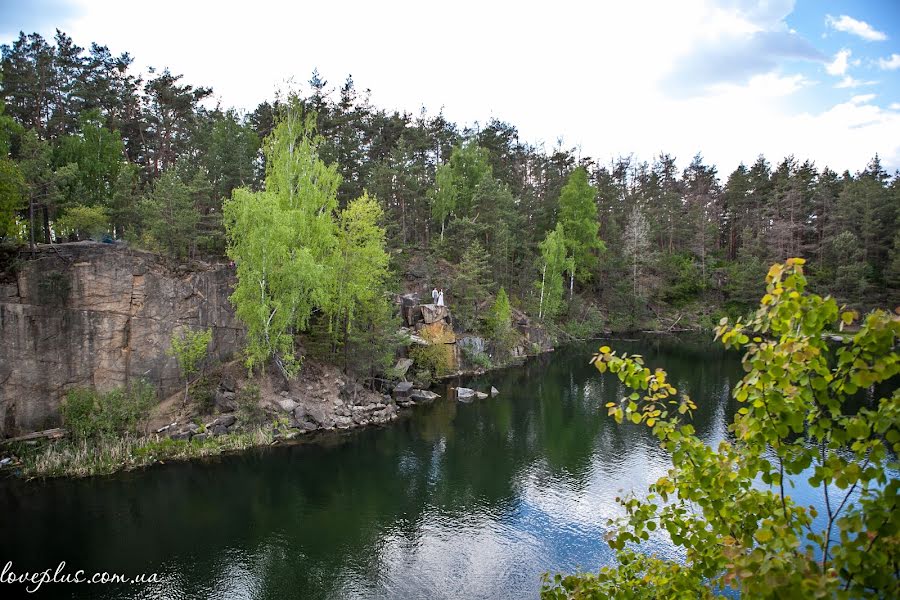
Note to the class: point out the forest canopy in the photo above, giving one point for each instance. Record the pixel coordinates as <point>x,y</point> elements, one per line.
<point>91,149</point>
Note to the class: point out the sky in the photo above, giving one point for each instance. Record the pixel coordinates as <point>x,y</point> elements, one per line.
<point>730,79</point>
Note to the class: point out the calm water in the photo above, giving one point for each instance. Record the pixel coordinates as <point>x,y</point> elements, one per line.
<point>454,501</point>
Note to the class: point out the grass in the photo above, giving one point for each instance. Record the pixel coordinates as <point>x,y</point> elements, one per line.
<point>83,458</point>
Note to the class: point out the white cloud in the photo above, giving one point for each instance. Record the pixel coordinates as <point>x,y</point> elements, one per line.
<point>857,28</point>
<point>862,98</point>
<point>895,106</point>
<point>601,80</point>
<point>849,82</point>
<point>839,65</point>
<point>890,64</point>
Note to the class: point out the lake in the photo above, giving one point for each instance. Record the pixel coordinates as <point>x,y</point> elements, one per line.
<point>452,501</point>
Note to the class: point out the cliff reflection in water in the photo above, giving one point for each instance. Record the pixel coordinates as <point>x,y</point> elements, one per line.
<point>457,500</point>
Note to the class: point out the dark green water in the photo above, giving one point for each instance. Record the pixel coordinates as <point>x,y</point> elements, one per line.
<point>453,501</point>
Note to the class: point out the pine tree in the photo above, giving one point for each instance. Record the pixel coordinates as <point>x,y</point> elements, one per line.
<point>471,284</point>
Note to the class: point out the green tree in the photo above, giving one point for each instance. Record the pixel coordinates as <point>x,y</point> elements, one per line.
<point>170,217</point>
<point>443,196</point>
<point>798,419</point>
<point>578,216</point>
<point>83,222</point>
<point>499,323</point>
<point>554,262</point>
<point>471,284</point>
<point>359,271</point>
<point>97,155</point>
<point>190,348</point>
<point>12,188</point>
<point>281,239</point>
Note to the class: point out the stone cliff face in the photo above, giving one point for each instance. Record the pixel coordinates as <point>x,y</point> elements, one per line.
<point>100,315</point>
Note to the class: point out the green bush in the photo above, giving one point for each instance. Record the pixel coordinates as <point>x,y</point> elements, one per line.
<point>82,222</point>
<point>433,358</point>
<point>249,412</point>
<point>585,321</point>
<point>89,415</point>
<point>476,358</point>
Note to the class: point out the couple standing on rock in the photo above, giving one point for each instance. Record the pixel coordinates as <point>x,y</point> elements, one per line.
<point>437,297</point>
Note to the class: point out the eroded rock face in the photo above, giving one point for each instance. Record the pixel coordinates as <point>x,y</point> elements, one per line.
<point>101,315</point>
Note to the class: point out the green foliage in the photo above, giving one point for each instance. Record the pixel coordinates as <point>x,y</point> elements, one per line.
<point>170,217</point>
<point>190,347</point>
<point>433,358</point>
<point>683,279</point>
<point>499,327</point>
<point>83,222</point>
<point>357,304</point>
<point>476,357</point>
<point>249,411</point>
<point>498,322</point>
<point>584,321</point>
<point>471,285</point>
<point>443,195</point>
<point>797,419</point>
<point>94,155</point>
<point>12,188</point>
<point>555,262</point>
<point>89,415</point>
<point>578,217</point>
<point>281,240</point>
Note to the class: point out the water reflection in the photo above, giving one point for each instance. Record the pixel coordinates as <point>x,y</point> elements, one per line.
<point>457,500</point>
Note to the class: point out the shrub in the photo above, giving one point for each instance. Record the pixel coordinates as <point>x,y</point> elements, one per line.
<point>90,415</point>
<point>476,357</point>
<point>249,412</point>
<point>433,358</point>
<point>82,222</point>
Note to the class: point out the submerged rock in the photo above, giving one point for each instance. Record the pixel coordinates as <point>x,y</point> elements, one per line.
<point>494,391</point>
<point>481,395</point>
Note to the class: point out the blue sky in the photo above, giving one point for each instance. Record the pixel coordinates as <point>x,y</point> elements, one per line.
<point>729,78</point>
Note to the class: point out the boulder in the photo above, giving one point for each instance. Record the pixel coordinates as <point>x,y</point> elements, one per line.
<point>181,435</point>
<point>481,395</point>
<point>423,396</point>
<point>494,391</point>
<point>402,390</point>
<point>199,437</point>
<point>286,404</point>
<point>432,313</point>
<point>464,393</point>
<point>225,401</point>
<point>319,415</point>
<point>409,308</point>
<point>415,339</point>
<point>402,367</point>
<point>218,430</point>
<point>471,343</point>
<point>224,421</point>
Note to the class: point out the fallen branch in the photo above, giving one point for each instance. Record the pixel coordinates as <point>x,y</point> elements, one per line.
<point>49,434</point>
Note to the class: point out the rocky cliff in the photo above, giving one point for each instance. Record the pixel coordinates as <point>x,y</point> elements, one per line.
<point>100,315</point>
